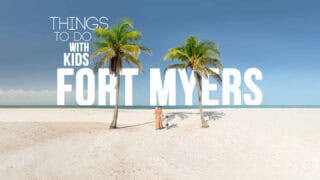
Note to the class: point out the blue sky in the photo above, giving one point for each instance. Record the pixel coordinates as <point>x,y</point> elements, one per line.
<point>281,38</point>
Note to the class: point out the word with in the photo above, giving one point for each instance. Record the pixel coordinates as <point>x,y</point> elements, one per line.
<point>78,55</point>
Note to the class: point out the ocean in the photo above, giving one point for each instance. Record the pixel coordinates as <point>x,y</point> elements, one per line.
<point>164,107</point>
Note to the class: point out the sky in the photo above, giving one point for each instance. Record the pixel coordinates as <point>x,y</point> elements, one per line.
<point>280,37</point>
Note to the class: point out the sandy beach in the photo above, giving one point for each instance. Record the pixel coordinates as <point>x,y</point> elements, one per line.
<point>71,143</point>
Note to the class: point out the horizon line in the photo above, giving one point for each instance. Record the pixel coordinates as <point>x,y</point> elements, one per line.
<point>165,107</point>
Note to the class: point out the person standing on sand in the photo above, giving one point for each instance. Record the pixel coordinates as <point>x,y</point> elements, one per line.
<point>158,116</point>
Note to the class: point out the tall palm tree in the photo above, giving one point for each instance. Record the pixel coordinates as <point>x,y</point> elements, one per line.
<point>197,56</point>
<point>115,45</point>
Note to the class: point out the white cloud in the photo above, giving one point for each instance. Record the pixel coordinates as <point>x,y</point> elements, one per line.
<point>27,97</point>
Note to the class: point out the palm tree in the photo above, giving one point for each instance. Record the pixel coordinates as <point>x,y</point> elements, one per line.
<point>118,44</point>
<point>197,56</point>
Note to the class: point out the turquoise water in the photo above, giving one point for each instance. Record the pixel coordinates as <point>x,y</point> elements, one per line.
<point>164,107</point>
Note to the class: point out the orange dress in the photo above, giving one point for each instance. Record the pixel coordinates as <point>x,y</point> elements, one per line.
<point>158,116</point>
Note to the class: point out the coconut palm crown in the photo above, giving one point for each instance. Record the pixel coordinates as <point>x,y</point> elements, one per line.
<point>115,46</point>
<point>197,56</point>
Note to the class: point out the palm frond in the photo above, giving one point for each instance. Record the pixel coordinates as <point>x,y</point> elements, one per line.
<point>191,45</point>
<point>133,60</point>
<point>214,62</point>
<point>175,53</point>
<point>132,35</point>
<point>209,45</point>
<point>99,51</point>
<point>145,49</point>
<point>215,75</point>
<point>176,66</point>
<point>126,22</point>
<point>123,28</point>
<point>212,54</point>
<point>101,44</point>
<point>130,48</point>
<point>101,32</point>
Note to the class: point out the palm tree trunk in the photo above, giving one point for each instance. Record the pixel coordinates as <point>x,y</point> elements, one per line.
<point>204,123</point>
<point>113,124</point>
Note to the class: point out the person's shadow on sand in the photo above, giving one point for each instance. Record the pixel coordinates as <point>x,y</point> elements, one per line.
<point>174,125</point>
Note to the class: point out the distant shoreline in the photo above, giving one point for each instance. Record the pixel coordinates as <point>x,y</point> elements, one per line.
<point>164,107</point>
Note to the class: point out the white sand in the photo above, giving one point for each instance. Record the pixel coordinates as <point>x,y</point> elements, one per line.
<point>240,144</point>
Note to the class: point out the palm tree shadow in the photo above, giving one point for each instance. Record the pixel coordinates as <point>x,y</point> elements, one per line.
<point>180,115</point>
<point>209,116</point>
<point>135,125</point>
<point>212,115</point>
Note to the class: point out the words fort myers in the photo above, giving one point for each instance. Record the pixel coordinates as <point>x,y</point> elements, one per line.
<point>162,92</point>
